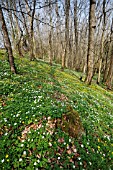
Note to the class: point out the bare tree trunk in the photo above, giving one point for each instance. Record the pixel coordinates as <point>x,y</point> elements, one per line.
<point>32,33</point>
<point>90,54</point>
<point>65,56</point>
<point>9,5</point>
<point>25,44</point>
<point>110,72</point>
<point>39,44</point>
<point>102,42</point>
<point>70,60</point>
<point>7,42</point>
<point>25,23</point>
<point>50,49</point>
<point>76,35</point>
<point>50,35</point>
<point>19,33</point>
<point>106,68</point>
<point>58,37</point>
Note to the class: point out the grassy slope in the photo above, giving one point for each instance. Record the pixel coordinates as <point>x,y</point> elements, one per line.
<point>29,98</point>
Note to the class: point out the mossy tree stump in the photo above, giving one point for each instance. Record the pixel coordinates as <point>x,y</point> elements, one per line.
<point>71,123</point>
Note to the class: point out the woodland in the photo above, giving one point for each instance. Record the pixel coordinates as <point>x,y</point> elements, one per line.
<point>56,84</point>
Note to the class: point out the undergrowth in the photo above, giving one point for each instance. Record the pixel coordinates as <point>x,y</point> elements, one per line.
<point>31,104</point>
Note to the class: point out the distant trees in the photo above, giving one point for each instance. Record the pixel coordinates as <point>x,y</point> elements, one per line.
<point>75,34</point>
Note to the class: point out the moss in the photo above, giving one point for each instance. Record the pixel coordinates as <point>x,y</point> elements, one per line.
<point>71,123</point>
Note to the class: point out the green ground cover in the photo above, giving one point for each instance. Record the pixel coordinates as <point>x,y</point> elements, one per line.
<point>34,105</point>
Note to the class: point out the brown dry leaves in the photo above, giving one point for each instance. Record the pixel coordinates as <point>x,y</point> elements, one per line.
<point>50,127</point>
<point>60,96</point>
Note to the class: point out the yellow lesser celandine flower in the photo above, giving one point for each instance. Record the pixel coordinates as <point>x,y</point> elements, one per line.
<point>98,147</point>
<point>112,153</point>
<point>7,156</point>
<point>112,144</point>
<point>98,140</point>
<point>23,122</point>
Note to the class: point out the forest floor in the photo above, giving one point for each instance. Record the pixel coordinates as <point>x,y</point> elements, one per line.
<point>51,120</point>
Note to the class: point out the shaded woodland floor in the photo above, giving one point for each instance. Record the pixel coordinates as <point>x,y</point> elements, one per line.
<point>51,120</point>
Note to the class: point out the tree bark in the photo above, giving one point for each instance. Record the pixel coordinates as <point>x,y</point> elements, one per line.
<point>7,42</point>
<point>76,36</point>
<point>90,55</point>
<point>102,42</point>
<point>50,35</point>
<point>19,33</point>
<point>58,49</point>
<point>26,38</point>
<point>32,32</point>
<point>65,57</point>
<point>110,72</point>
<point>106,66</point>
